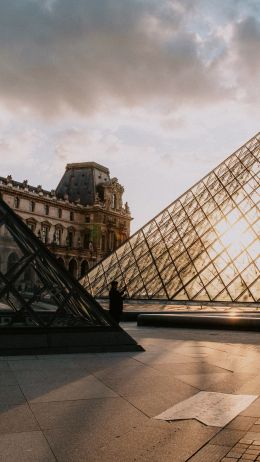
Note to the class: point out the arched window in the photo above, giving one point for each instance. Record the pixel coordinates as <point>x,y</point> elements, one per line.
<point>84,268</point>
<point>73,267</point>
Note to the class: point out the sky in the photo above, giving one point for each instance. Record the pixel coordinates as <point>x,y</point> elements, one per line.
<point>159,92</point>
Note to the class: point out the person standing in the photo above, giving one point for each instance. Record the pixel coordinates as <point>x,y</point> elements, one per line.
<point>116,298</point>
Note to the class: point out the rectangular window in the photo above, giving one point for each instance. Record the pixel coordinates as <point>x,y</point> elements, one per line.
<point>70,239</point>
<point>71,216</point>
<point>45,233</point>
<point>31,226</point>
<point>16,202</point>
<point>57,236</point>
<point>31,206</point>
<point>46,209</point>
<point>59,213</point>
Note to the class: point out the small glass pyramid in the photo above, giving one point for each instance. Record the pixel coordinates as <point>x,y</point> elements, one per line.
<point>35,291</point>
<point>202,247</point>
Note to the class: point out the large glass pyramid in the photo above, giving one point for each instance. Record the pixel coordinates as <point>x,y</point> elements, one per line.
<point>41,301</point>
<point>202,247</point>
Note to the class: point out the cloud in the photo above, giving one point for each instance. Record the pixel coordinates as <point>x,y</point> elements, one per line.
<point>18,147</point>
<point>247,50</point>
<point>59,55</point>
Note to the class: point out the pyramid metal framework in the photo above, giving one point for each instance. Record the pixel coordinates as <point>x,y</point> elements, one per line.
<point>35,290</point>
<point>203,247</point>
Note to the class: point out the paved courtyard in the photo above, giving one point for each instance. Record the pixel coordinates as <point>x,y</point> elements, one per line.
<point>101,407</point>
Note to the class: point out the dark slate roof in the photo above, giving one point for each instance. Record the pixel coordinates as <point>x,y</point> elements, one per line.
<point>80,180</point>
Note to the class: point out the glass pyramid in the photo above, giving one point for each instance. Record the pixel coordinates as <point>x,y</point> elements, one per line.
<point>202,247</point>
<point>35,291</point>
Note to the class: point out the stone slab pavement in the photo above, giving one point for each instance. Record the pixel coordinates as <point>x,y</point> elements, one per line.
<point>101,407</point>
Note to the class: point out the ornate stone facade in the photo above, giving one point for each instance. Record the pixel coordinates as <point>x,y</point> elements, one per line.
<point>81,222</point>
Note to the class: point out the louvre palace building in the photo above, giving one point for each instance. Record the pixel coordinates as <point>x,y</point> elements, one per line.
<point>81,222</point>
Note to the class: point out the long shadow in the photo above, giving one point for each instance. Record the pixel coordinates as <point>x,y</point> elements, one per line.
<point>73,416</point>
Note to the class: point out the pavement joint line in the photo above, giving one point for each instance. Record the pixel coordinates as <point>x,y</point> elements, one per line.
<point>123,397</point>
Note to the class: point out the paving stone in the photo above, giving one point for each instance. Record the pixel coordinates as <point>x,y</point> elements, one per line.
<point>7,377</point>
<point>255,429</point>
<point>253,436</point>
<point>88,414</point>
<point>227,437</point>
<point>251,386</point>
<point>241,423</point>
<point>229,459</point>
<point>83,388</point>
<point>161,400</point>
<point>11,394</point>
<point>210,453</point>
<point>16,418</point>
<point>203,381</point>
<point>201,367</point>
<point>253,410</point>
<point>25,447</point>
<point>59,375</point>
<point>126,383</point>
<point>4,365</point>
<point>232,384</point>
<point>235,453</point>
<point>149,442</point>
<point>249,457</point>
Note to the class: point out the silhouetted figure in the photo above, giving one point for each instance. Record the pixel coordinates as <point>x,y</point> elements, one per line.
<point>116,301</point>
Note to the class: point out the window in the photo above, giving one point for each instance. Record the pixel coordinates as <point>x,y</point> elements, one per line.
<point>70,239</point>
<point>113,201</point>
<point>31,226</point>
<point>59,213</point>
<point>46,209</point>
<point>112,241</point>
<point>86,239</point>
<point>87,219</point>
<point>71,216</point>
<point>103,243</point>
<point>31,206</point>
<point>45,234</point>
<point>57,236</point>
<point>16,202</point>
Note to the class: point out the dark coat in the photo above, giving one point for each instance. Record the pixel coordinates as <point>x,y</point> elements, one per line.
<point>116,303</point>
